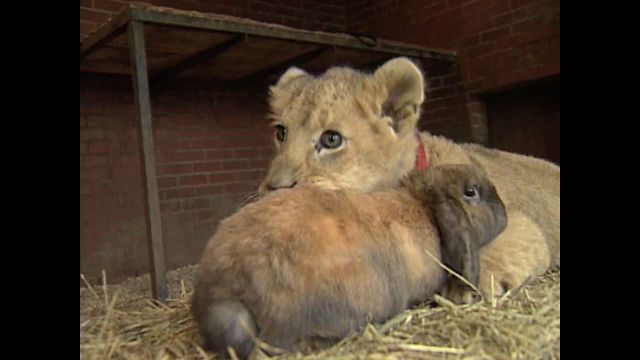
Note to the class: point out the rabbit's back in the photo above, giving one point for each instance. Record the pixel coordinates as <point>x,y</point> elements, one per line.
<point>320,263</point>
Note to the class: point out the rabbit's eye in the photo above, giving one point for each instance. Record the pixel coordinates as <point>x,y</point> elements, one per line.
<point>470,192</point>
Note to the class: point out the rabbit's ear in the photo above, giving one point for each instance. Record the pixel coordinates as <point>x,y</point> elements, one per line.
<point>459,246</point>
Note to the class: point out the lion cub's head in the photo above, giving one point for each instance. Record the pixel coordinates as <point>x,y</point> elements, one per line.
<point>344,128</point>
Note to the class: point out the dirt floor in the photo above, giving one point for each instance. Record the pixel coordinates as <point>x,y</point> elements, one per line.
<point>120,322</point>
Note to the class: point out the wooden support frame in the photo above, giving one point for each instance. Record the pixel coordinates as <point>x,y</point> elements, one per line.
<point>151,15</point>
<point>278,68</point>
<point>152,203</point>
<point>105,34</point>
<point>200,57</point>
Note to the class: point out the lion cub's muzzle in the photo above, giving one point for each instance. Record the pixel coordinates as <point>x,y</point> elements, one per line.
<point>269,185</point>
<point>272,187</point>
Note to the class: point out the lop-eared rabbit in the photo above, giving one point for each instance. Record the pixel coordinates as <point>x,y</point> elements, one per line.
<point>308,265</point>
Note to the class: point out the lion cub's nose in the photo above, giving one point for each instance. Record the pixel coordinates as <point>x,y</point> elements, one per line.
<point>276,186</point>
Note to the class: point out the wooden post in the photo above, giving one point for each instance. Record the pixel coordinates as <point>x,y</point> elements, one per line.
<point>152,203</point>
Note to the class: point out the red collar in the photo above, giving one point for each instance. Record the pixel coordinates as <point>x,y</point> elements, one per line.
<point>421,156</point>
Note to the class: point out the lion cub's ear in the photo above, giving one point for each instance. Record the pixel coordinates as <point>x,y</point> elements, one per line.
<point>405,92</point>
<point>282,92</point>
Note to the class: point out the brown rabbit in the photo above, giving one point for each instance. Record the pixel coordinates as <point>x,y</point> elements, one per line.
<point>468,214</point>
<point>309,264</point>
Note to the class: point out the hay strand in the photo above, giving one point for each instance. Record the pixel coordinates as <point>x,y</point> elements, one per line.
<point>121,322</point>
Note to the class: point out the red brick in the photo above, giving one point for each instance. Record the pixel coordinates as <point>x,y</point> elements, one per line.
<point>516,4</point>
<point>126,172</point>
<point>258,163</point>
<point>180,156</point>
<point>469,41</point>
<point>205,214</point>
<point>256,6</point>
<point>509,18</point>
<point>86,3</point>
<point>190,133</point>
<point>436,8</point>
<point>205,144</point>
<point>91,134</point>
<point>248,175</point>
<point>93,174</point>
<point>540,34</point>
<point>496,34</point>
<point>218,154</point>
<point>167,181</point>
<point>172,145</point>
<point>86,27</point>
<point>93,16</point>
<point>476,7</point>
<point>476,107</point>
<point>500,6</point>
<point>245,153</point>
<point>237,188</point>
<point>88,189</point>
<point>108,5</point>
<point>175,169</point>
<point>431,115</point>
<point>528,25</point>
<point>179,193</point>
<point>93,161</point>
<point>184,218</point>
<point>83,148</point>
<point>194,204</point>
<point>192,180</point>
<point>170,206</point>
<point>235,165</point>
<point>121,134</point>
<point>266,152</point>
<point>451,79</point>
<point>131,160</point>
<point>98,147</point>
<point>209,190</point>
<point>243,140</point>
<point>221,178</point>
<point>208,166</point>
<point>483,49</point>
<point>454,3</point>
<point>443,92</point>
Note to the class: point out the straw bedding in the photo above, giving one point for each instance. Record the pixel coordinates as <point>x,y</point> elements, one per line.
<point>120,322</point>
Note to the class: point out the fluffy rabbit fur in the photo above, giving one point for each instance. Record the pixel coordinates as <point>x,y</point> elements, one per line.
<point>308,264</point>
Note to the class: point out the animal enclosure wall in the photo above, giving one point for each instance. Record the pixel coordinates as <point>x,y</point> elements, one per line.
<point>526,119</point>
<point>212,147</point>
<point>213,143</point>
<point>500,43</point>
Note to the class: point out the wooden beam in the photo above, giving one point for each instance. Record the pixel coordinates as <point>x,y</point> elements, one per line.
<point>104,34</point>
<point>152,203</point>
<point>200,57</point>
<point>278,68</point>
<point>232,25</point>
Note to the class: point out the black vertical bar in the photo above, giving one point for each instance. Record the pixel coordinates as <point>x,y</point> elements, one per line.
<point>152,203</point>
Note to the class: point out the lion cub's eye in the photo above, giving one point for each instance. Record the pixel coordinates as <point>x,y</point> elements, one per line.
<point>331,139</point>
<point>281,132</point>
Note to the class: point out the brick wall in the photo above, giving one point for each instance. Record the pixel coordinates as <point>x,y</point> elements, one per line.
<point>329,15</point>
<point>213,145</point>
<point>212,148</point>
<point>499,42</point>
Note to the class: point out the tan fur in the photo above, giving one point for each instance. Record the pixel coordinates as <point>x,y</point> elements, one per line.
<point>377,114</point>
<point>532,254</point>
<point>287,255</point>
<point>307,264</point>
